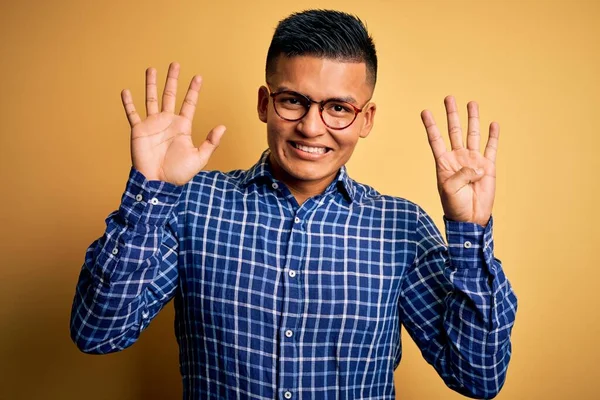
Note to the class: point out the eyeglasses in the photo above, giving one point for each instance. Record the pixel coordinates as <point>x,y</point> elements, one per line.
<point>335,113</point>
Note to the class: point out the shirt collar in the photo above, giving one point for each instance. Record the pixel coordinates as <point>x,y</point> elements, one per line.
<point>262,171</point>
<point>259,171</point>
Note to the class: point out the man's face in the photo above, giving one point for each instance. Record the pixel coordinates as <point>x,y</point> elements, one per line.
<point>307,151</point>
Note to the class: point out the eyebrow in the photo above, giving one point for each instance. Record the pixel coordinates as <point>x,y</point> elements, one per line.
<point>345,99</point>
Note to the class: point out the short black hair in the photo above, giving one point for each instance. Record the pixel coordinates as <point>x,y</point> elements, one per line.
<point>328,34</point>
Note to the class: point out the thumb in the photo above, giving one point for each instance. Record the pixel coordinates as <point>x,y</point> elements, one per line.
<point>209,145</point>
<point>462,178</point>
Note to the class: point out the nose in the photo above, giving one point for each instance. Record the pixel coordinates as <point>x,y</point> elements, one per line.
<point>311,124</point>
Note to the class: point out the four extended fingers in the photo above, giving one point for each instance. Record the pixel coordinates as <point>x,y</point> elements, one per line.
<point>188,107</point>
<point>455,132</point>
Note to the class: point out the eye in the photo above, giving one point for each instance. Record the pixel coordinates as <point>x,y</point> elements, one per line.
<point>291,100</point>
<point>340,108</point>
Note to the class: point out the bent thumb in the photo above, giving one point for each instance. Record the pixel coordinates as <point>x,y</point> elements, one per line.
<point>462,178</point>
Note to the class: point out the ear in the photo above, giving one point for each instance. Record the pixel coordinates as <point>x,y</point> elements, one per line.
<point>368,120</point>
<point>263,103</point>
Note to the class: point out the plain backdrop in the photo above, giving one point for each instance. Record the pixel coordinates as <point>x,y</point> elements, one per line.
<point>533,66</point>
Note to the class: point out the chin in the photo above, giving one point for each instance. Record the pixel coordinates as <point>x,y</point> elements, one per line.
<point>315,175</point>
<point>297,171</point>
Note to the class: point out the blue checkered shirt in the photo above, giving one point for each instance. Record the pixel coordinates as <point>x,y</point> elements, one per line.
<point>279,301</point>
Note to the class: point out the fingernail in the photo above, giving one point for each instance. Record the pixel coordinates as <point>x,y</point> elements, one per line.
<point>479,171</point>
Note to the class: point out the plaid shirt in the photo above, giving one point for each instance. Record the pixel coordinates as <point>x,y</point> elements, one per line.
<point>279,301</point>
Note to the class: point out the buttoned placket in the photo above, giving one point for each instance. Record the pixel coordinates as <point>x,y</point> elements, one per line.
<point>293,292</point>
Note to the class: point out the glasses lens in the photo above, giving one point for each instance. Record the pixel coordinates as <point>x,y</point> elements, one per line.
<point>338,114</point>
<point>290,105</point>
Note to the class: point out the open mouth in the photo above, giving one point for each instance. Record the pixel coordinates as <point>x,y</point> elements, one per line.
<point>310,149</point>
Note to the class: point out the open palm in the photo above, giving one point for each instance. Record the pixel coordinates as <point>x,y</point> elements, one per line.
<point>161,145</point>
<point>466,178</point>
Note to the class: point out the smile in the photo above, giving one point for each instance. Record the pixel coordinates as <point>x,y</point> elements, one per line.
<point>309,149</point>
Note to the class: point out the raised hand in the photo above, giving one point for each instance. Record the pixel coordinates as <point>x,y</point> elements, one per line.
<point>161,145</point>
<point>466,178</point>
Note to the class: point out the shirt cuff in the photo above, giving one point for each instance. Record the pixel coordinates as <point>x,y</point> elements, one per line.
<point>148,202</point>
<point>470,245</point>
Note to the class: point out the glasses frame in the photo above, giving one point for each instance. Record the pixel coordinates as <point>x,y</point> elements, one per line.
<point>310,102</point>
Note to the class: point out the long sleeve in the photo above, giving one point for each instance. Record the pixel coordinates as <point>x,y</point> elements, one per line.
<point>458,306</point>
<point>130,273</point>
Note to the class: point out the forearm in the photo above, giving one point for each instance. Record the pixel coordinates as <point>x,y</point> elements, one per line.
<point>478,319</point>
<point>465,333</point>
<point>129,274</point>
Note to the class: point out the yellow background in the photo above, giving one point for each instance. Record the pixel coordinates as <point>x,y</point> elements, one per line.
<point>534,66</point>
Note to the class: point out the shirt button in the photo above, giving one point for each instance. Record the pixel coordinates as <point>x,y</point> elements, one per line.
<point>139,197</point>
<point>292,274</point>
<point>296,220</point>
<point>115,251</point>
<point>275,186</point>
<point>154,201</point>
<point>289,333</point>
<point>467,245</point>
<point>287,395</point>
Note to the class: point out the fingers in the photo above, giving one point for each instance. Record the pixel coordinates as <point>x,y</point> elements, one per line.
<point>151,92</point>
<point>170,93</point>
<point>462,178</point>
<point>473,135</point>
<point>491,147</point>
<point>454,130</point>
<point>207,147</point>
<point>132,115</point>
<point>436,142</point>
<point>188,108</point>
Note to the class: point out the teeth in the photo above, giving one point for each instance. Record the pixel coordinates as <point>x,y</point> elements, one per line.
<point>313,150</point>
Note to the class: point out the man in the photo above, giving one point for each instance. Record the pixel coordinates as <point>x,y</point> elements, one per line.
<point>290,279</point>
